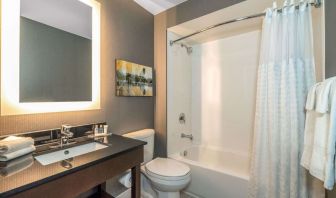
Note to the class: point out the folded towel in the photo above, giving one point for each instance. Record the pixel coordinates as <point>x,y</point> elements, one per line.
<point>309,127</point>
<point>13,143</point>
<point>323,102</point>
<point>17,165</point>
<point>311,98</point>
<point>319,152</point>
<point>331,150</point>
<point>15,154</point>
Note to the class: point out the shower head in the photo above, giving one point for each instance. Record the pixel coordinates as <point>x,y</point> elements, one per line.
<point>189,49</point>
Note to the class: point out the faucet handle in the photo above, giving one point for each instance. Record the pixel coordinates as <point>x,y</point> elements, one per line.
<point>66,130</point>
<point>66,127</point>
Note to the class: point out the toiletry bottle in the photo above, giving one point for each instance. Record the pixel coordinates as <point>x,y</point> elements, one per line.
<point>101,129</point>
<point>96,129</point>
<point>105,128</point>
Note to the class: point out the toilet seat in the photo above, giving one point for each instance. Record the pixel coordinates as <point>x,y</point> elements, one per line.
<point>167,169</point>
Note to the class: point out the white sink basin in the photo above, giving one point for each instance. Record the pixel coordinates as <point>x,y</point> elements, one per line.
<point>57,156</point>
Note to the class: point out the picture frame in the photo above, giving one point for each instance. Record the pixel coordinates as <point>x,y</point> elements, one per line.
<point>133,80</point>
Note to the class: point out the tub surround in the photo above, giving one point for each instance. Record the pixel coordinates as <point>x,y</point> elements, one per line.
<point>181,13</point>
<point>37,180</point>
<point>208,170</point>
<point>179,89</point>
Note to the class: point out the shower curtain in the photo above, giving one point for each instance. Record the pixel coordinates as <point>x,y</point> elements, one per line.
<point>286,72</point>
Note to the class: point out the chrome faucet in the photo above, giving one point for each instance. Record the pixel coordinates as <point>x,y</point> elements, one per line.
<point>66,134</point>
<point>190,136</point>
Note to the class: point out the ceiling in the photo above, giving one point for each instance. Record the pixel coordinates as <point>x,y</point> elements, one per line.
<point>158,6</point>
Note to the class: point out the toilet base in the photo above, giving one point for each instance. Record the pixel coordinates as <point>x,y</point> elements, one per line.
<point>168,194</point>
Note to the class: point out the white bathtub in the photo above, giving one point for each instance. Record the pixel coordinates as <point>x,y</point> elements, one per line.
<point>215,173</point>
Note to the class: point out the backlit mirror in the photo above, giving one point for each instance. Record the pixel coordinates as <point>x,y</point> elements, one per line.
<point>50,56</point>
<point>55,51</point>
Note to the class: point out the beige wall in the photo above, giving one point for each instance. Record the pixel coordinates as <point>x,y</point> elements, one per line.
<point>122,114</point>
<point>160,62</point>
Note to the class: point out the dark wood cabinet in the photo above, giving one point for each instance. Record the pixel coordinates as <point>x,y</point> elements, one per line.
<point>72,185</point>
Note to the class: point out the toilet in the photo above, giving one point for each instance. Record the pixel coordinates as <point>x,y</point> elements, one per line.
<point>167,177</point>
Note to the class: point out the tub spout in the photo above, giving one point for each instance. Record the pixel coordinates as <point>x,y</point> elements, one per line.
<point>190,136</point>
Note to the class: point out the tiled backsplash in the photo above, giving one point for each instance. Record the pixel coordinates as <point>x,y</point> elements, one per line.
<point>37,122</point>
<point>45,136</point>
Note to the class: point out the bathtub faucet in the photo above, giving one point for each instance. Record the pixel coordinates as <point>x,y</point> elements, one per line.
<point>183,135</point>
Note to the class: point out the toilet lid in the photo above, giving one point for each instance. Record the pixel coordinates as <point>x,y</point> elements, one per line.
<point>167,167</point>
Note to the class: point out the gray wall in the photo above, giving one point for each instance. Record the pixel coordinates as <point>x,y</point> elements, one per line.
<point>330,12</point>
<point>193,9</point>
<point>330,6</point>
<point>128,32</point>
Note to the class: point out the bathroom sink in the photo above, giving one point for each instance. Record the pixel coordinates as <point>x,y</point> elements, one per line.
<point>57,156</point>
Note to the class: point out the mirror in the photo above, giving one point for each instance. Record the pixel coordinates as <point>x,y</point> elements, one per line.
<point>55,51</point>
<point>50,56</point>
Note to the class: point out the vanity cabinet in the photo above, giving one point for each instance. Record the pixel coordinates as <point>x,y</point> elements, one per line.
<point>87,172</point>
<point>74,184</point>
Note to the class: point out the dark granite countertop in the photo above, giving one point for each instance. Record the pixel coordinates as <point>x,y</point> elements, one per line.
<point>37,174</point>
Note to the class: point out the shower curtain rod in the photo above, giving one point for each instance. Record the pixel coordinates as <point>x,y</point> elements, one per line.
<point>316,4</point>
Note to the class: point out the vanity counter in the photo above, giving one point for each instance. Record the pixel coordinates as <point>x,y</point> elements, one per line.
<point>128,152</point>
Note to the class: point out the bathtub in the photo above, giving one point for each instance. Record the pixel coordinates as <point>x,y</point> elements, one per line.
<point>215,173</point>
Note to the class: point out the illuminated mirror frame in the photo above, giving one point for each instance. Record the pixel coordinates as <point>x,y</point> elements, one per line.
<point>10,65</point>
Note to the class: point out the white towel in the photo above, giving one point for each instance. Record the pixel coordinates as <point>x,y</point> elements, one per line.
<point>311,98</point>
<point>15,154</point>
<point>323,99</point>
<point>13,143</point>
<point>330,161</point>
<point>309,127</point>
<point>322,122</point>
<point>16,165</point>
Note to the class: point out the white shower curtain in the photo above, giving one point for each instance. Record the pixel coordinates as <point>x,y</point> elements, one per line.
<point>286,72</point>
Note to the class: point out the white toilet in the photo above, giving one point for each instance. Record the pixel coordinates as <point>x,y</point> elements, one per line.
<point>166,176</point>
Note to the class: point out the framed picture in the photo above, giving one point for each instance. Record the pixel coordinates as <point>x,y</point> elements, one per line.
<point>133,79</point>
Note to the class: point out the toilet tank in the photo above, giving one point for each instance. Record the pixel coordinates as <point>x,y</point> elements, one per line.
<point>146,135</point>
